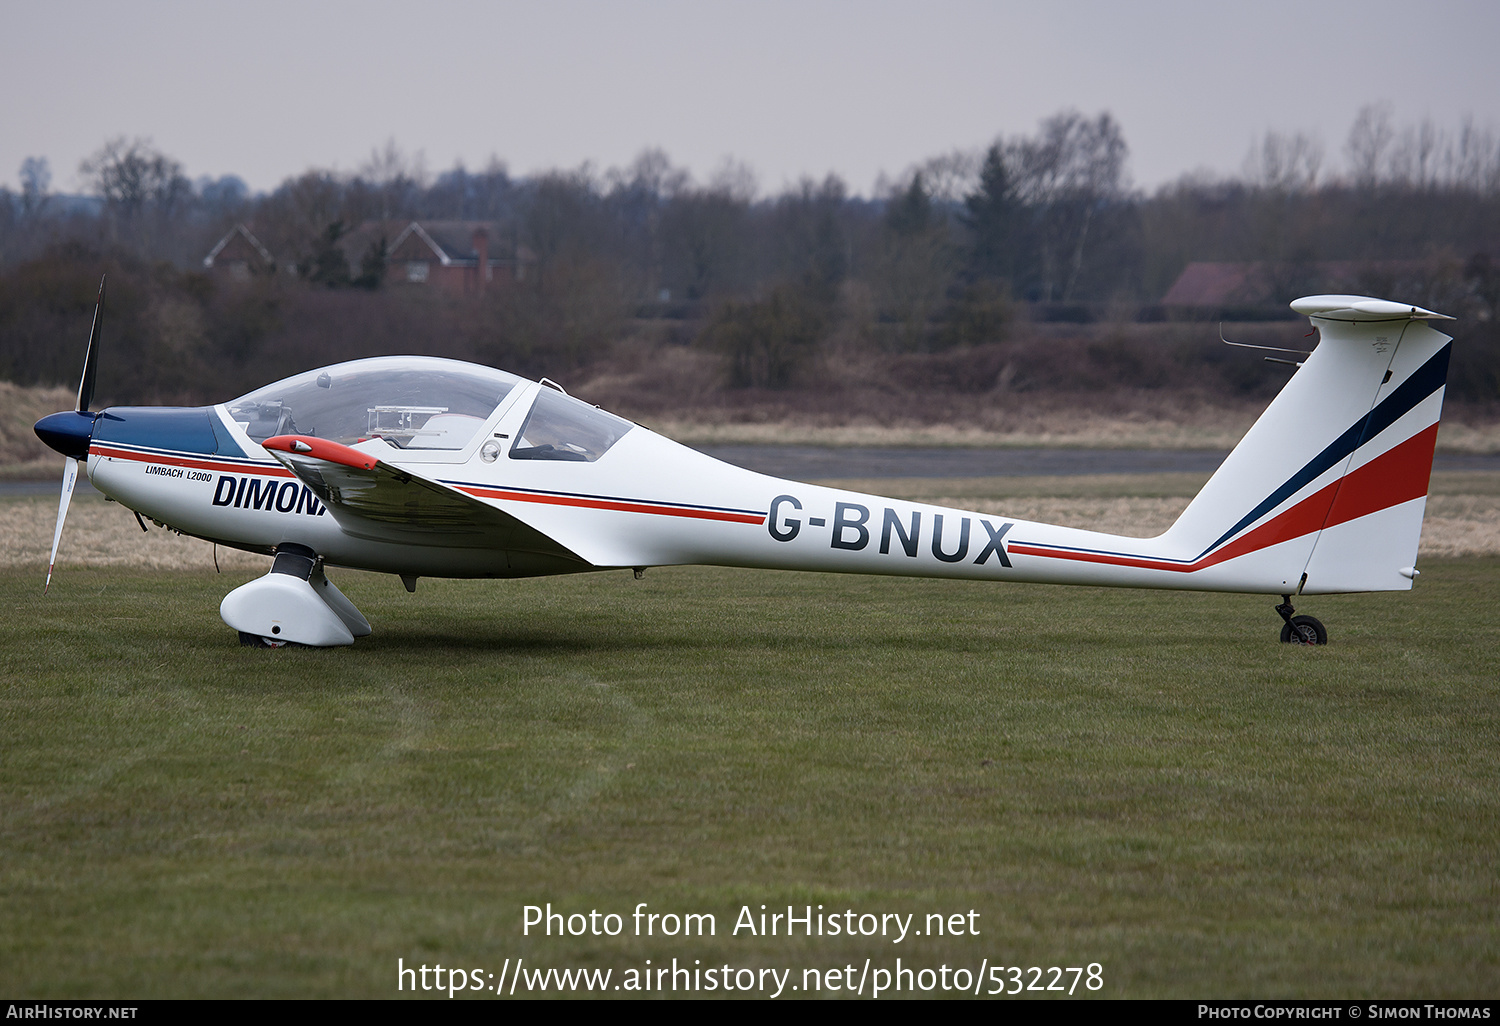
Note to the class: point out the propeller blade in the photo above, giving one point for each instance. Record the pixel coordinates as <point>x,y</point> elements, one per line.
<point>70,478</point>
<point>91,356</point>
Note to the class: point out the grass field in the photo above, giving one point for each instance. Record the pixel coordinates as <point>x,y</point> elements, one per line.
<point>1148,781</point>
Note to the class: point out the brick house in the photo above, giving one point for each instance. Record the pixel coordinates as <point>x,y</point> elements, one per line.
<point>464,258</point>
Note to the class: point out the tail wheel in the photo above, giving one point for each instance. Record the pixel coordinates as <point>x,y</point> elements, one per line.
<point>1304,630</point>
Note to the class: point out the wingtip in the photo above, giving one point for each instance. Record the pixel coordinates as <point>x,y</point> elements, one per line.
<point>320,449</point>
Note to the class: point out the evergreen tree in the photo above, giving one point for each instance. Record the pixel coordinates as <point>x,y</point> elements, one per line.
<point>372,266</point>
<point>328,265</point>
<point>992,215</point>
<point>910,214</point>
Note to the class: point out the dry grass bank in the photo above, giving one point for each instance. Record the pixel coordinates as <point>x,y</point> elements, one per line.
<point>22,454</point>
<point>1163,386</point>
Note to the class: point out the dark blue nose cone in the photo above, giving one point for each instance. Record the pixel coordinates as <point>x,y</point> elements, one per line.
<point>68,432</point>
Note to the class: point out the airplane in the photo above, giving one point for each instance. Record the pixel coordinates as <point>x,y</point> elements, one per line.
<point>425,467</point>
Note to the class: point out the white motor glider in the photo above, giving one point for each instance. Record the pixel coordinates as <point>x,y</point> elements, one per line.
<point>424,467</point>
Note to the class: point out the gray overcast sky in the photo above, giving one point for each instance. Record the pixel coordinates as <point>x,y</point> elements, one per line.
<point>268,89</point>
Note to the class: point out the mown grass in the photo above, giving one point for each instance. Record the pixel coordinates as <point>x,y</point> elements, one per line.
<point>1145,780</point>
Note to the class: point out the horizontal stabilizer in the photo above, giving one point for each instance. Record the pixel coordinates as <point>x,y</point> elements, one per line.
<point>1362,308</point>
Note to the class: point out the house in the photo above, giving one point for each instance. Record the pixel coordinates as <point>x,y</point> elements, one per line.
<point>1222,287</point>
<point>1215,284</point>
<point>238,255</point>
<point>457,257</point>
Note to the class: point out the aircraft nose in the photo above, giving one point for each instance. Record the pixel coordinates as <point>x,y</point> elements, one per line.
<point>67,432</point>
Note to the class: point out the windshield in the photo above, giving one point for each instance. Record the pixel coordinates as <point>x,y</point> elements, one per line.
<point>415,402</point>
<point>560,427</point>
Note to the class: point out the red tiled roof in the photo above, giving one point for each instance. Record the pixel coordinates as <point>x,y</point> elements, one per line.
<point>1204,283</point>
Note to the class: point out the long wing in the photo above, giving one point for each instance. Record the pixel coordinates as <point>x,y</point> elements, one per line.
<point>372,499</point>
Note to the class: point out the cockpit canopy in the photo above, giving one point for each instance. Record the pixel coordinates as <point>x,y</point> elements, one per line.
<point>414,402</point>
<point>422,402</point>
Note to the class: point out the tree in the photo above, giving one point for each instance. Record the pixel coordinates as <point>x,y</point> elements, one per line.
<point>328,265</point>
<point>561,219</point>
<point>1475,159</point>
<point>637,197</point>
<point>1369,138</point>
<point>767,340</point>
<point>1069,173</point>
<point>1282,163</point>
<point>293,219</point>
<point>909,214</point>
<point>1282,231</point>
<point>992,215</point>
<point>950,177</point>
<point>916,264</point>
<point>372,266</point>
<point>703,241</point>
<point>811,242</point>
<point>396,177</point>
<point>131,177</point>
<point>36,178</point>
<point>143,190</point>
<point>223,197</point>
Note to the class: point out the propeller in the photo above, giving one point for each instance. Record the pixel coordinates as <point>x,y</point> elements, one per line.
<point>70,433</point>
<point>70,478</point>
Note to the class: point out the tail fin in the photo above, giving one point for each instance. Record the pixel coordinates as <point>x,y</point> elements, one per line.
<point>1330,484</point>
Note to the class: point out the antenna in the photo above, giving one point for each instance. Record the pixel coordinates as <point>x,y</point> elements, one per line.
<point>1269,349</point>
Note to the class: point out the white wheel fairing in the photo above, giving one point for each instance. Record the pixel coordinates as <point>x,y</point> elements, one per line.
<point>284,608</point>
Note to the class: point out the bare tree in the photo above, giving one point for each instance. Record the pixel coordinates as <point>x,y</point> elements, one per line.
<point>1370,138</point>
<point>735,179</point>
<point>396,176</point>
<point>143,189</point>
<point>1474,159</point>
<point>295,219</point>
<point>36,179</point>
<point>1284,163</point>
<point>637,196</point>
<point>951,176</point>
<point>562,218</point>
<point>130,176</point>
<point>809,241</point>
<point>1414,158</point>
<point>651,175</point>
<point>704,239</point>
<point>1072,168</point>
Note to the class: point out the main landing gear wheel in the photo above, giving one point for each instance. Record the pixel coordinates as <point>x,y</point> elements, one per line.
<point>256,641</point>
<point>1302,630</point>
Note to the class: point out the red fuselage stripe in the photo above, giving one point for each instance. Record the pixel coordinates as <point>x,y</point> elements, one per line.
<point>1390,479</point>
<point>265,469</point>
<point>485,493</point>
<point>612,504</point>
